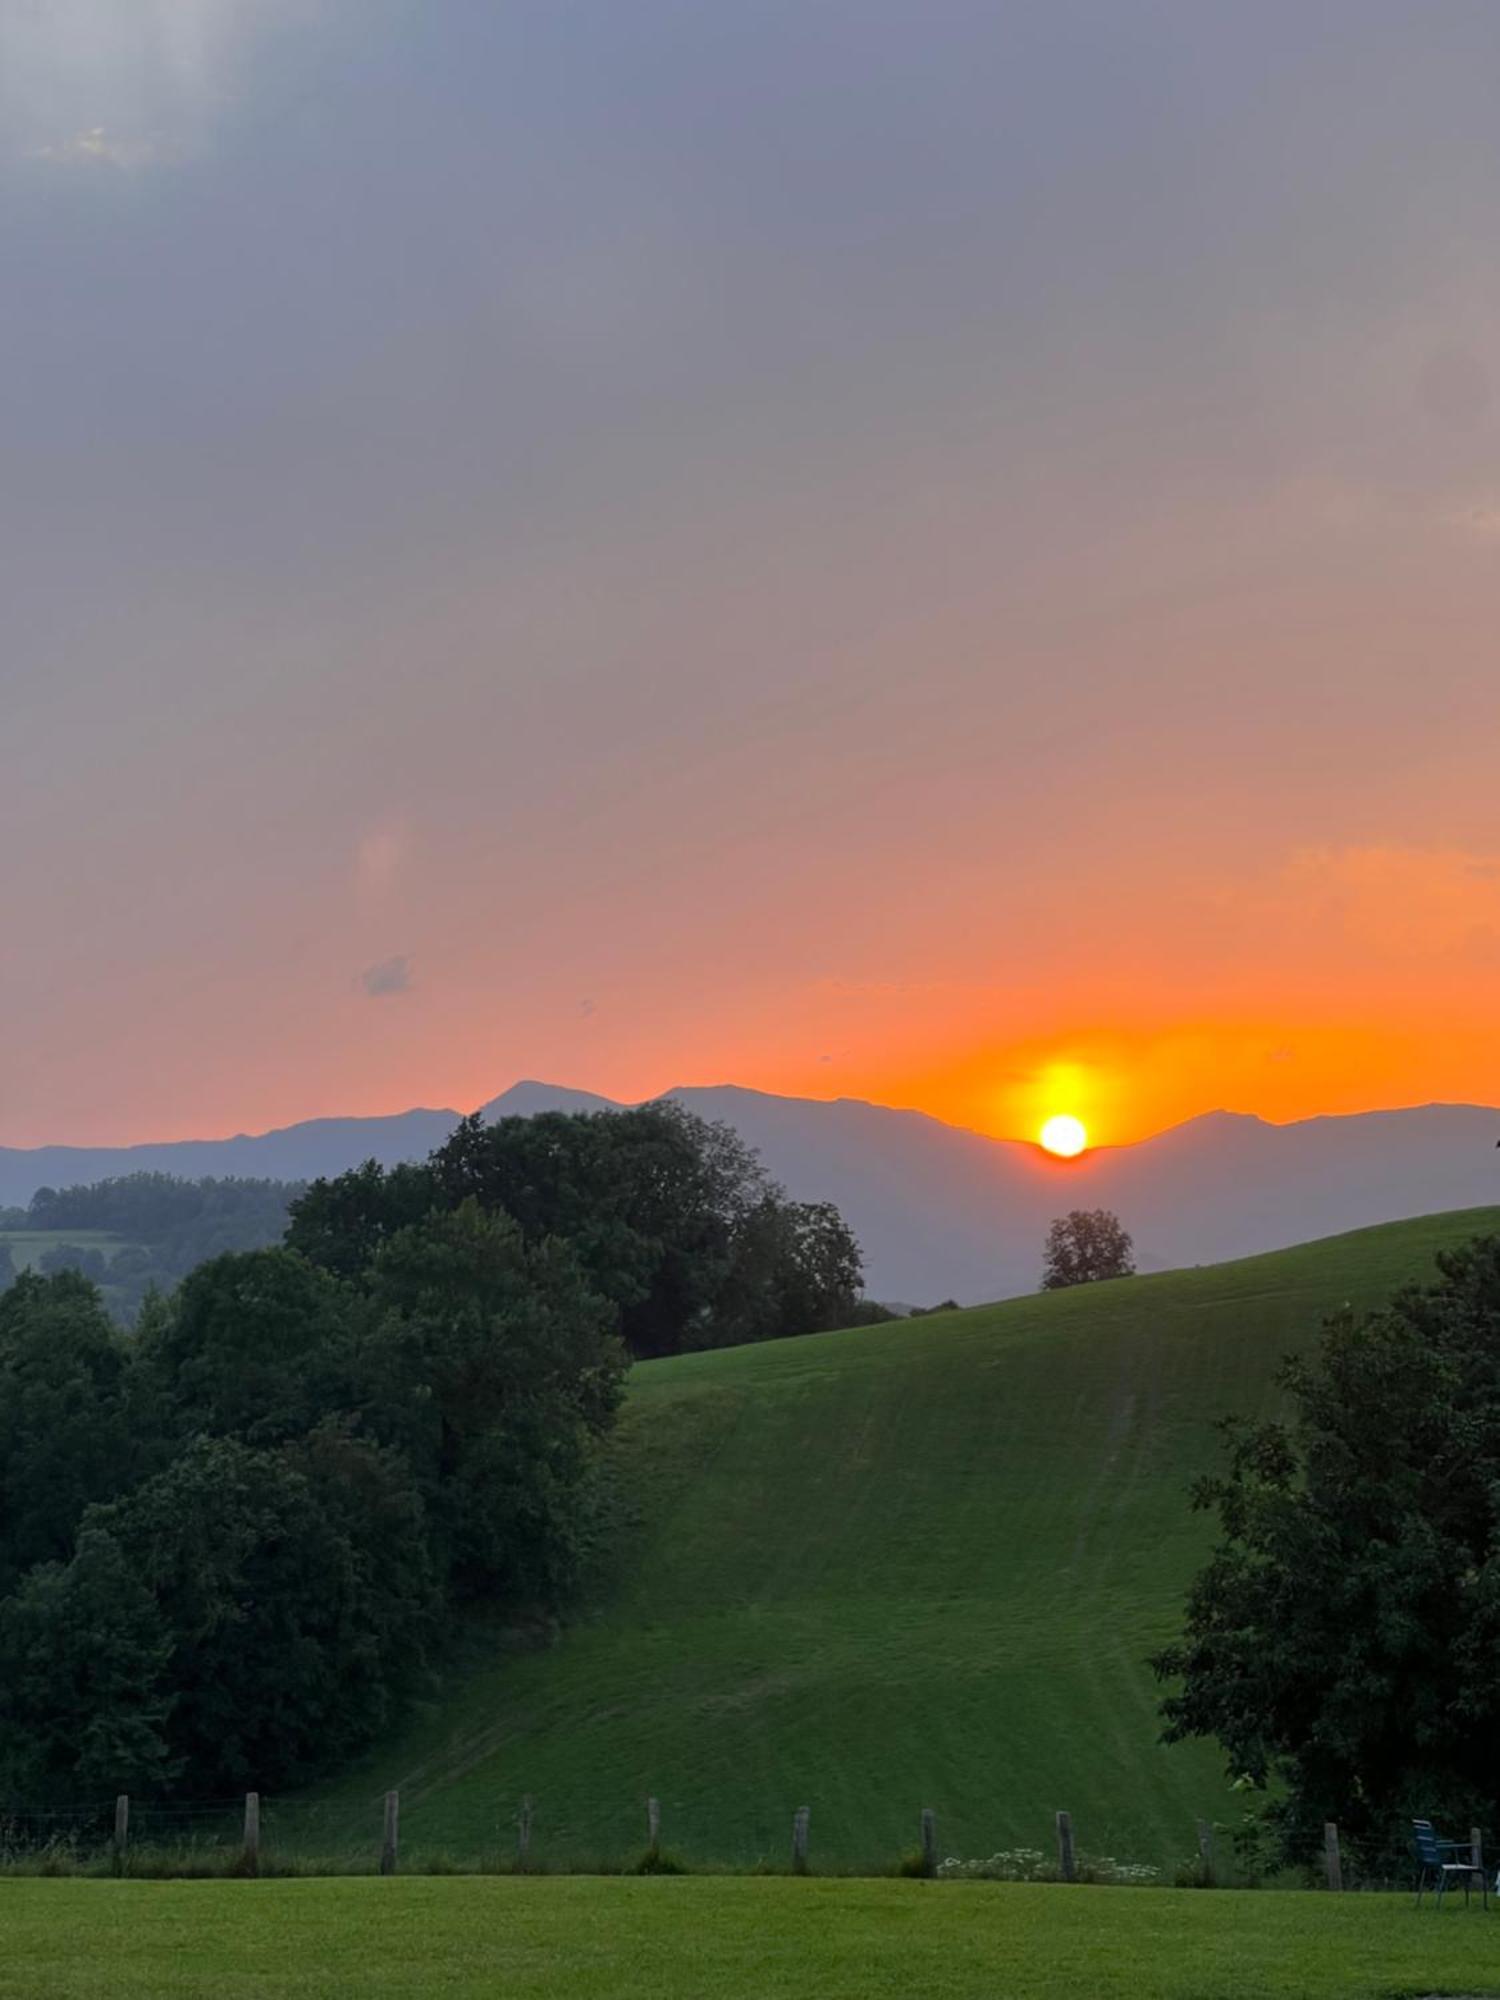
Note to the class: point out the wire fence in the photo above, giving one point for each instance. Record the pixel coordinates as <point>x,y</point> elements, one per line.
<point>252,1835</point>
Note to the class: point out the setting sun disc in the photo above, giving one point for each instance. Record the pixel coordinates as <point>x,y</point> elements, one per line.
<point>1065,1136</point>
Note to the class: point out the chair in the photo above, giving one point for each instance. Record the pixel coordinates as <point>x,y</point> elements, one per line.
<point>1438,1861</point>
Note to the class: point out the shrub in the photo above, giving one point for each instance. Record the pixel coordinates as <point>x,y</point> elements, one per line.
<point>657,1861</point>
<point>1030,1864</point>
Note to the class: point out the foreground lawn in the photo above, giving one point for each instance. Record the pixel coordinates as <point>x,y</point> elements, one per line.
<point>727,1939</point>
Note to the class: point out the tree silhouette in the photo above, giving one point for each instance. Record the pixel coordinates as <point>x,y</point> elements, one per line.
<point>1085,1245</point>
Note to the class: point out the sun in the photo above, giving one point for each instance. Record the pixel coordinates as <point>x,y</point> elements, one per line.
<point>1064,1135</point>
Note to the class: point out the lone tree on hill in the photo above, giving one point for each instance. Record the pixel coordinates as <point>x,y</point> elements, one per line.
<point>1343,1643</point>
<point>1085,1245</point>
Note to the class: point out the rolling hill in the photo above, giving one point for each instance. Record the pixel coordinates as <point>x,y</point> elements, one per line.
<point>916,1565</point>
<point>941,1212</point>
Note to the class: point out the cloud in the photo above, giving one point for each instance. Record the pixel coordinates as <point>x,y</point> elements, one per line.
<point>125,83</point>
<point>391,975</point>
<point>98,147</point>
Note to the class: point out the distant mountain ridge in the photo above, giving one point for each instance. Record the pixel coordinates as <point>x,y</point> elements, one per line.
<point>942,1212</point>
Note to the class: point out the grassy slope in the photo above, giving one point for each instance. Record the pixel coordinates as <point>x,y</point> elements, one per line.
<point>27,1246</point>
<point>912,1565</point>
<point>725,1940</point>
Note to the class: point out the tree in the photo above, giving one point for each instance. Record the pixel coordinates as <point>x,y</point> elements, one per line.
<point>180,1221</point>
<point>65,1434</point>
<point>255,1344</point>
<point>87,1262</point>
<point>494,1369</point>
<point>671,1219</point>
<point>84,1694</point>
<point>649,1200</point>
<point>279,1627</point>
<point>1343,1642</point>
<point>168,1225</point>
<point>1085,1245</point>
<point>795,1269</point>
<point>340,1224</point>
<point>228,1541</point>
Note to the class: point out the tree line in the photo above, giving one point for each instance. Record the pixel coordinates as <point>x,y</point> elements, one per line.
<point>166,1227</point>
<point>232,1538</point>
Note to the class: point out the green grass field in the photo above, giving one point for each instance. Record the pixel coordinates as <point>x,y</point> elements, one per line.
<point>27,1246</point>
<point>913,1565</point>
<point>725,1940</point>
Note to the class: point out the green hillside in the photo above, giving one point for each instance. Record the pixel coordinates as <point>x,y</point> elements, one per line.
<point>918,1564</point>
<point>27,1247</point>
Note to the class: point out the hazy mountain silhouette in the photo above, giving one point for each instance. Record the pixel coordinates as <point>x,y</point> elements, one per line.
<point>295,1153</point>
<point>942,1212</point>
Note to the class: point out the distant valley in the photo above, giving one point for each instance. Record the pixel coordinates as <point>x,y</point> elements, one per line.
<point>942,1212</point>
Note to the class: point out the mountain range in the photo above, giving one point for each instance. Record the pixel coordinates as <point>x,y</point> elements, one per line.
<point>942,1212</point>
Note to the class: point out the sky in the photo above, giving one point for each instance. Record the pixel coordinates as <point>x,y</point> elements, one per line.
<point>933,550</point>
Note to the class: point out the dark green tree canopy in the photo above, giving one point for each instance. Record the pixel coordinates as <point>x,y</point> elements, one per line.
<point>494,1369</point>
<point>231,1541</point>
<point>84,1682</point>
<point>65,1434</point>
<point>254,1344</point>
<point>278,1622</point>
<point>183,1221</point>
<point>1343,1644</point>
<point>1085,1245</point>
<point>671,1219</point>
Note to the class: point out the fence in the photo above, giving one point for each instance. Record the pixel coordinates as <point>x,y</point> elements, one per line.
<point>254,1835</point>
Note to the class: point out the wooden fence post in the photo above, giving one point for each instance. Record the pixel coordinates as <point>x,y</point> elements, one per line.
<point>1476,1841</point>
<point>800,1821</point>
<point>1331,1855</point>
<point>653,1825</point>
<point>929,1841</point>
<point>523,1833</point>
<point>390,1846</point>
<point>1067,1866</point>
<point>1206,1850</point>
<point>252,1833</point>
<point>122,1831</point>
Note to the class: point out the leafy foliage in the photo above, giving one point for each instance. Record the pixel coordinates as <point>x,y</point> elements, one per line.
<point>77,1257</point>
<point>1343,1644</point>
<point>671,1219</point>
<point>493,1368</point>
<point>229,1542</point>
<point>167,1227</point>
<point>185,1220</point>
<point>1084,1246</point>
<point>254,1345</point>
<point>65,1434</point>
<point>282,1624</point>
<point>83,1699</point>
